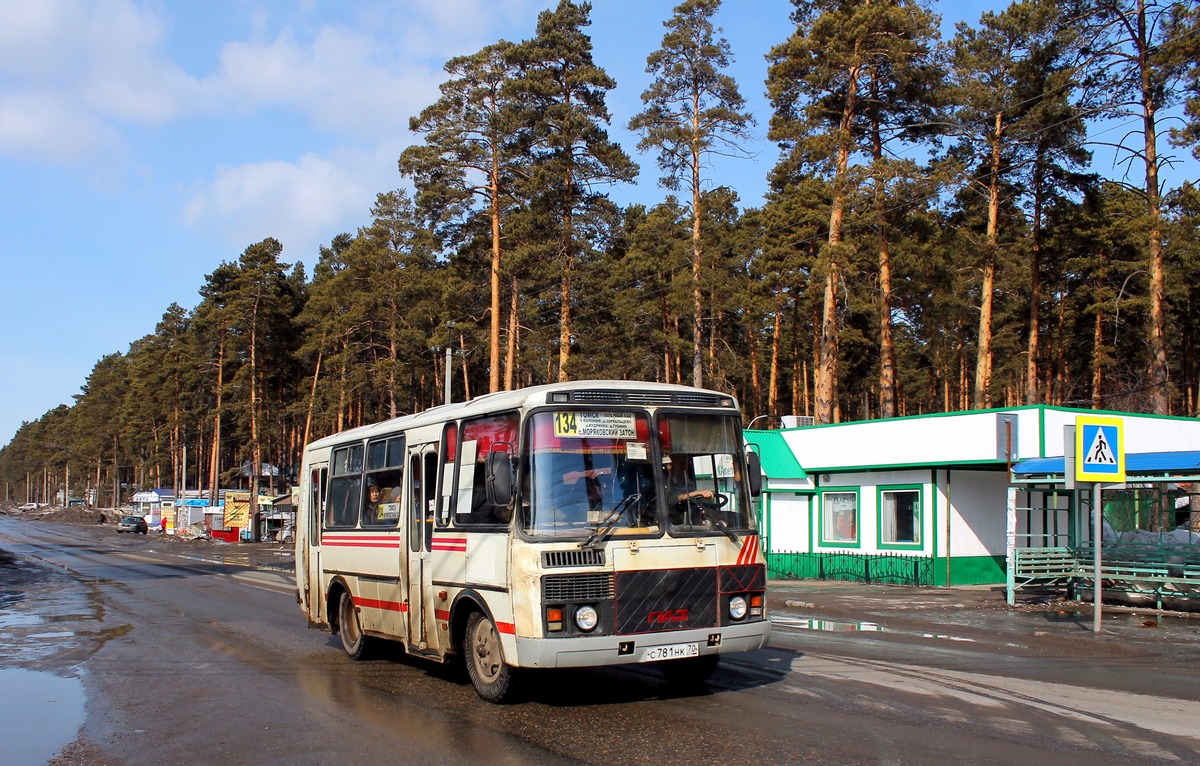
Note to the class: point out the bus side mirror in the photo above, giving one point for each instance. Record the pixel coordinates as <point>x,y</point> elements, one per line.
<point>499,478</point>
<point>754,467</point>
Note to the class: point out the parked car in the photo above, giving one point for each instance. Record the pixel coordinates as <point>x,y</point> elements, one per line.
<point>28,507</point>
<point>133,525</point>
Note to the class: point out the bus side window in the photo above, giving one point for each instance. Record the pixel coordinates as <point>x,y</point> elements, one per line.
<point>316,507</point>
<point>341,507</point>
<point>483,435</point>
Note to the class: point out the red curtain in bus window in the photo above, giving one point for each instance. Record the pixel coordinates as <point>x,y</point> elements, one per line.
<point>488,431</point>
<point>451,442</point>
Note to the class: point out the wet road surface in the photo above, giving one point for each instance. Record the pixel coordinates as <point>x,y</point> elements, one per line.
<point>197,653</point>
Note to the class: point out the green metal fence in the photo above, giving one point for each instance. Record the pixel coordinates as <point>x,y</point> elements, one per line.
<point>888,568</point>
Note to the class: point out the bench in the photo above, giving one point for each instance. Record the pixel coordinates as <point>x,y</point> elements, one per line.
<point>1161,572</point>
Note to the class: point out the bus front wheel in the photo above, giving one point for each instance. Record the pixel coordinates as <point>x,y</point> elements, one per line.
<point>492,679</point>
<point>354,641</point>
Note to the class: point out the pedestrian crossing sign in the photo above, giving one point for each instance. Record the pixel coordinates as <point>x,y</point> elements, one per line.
<point>1099,450</point>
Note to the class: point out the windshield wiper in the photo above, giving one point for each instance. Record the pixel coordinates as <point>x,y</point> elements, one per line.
<point>609,522</point>
<point>721,526</point>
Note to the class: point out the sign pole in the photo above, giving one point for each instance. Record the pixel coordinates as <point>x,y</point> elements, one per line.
<point>1097,539</point>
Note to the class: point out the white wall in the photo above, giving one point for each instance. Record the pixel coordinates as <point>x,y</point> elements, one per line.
<point>927,440</point>
<point>789,519</point>
<point>978,512</point>
<point>1143,433</point>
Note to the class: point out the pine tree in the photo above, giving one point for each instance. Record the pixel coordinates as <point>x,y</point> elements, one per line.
<point>821,82</point>
<point>1140,56</point>
<point>470,151</point>
<point>562,93</point>
<point>692,111</point>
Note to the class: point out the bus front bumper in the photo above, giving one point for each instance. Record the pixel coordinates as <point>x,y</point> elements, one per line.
<point>594,651</point>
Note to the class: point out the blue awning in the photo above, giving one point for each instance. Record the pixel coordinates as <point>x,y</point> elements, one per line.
<point>1146,464</point>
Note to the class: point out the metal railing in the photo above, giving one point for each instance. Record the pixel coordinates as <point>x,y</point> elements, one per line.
<point>887,568</point>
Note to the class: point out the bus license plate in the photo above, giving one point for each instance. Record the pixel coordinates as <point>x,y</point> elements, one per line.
<point>671,652</point>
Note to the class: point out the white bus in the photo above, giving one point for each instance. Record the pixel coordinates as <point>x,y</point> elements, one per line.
<point>575,524</point>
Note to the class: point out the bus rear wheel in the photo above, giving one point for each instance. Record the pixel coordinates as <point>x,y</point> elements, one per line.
<point>354,641</point>
<point>492,679</point>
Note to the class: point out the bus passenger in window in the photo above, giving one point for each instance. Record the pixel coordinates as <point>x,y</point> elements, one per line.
<point>371,510</point>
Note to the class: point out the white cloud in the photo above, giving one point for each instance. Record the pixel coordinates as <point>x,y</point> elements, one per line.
<point>302,204</point>
<point>344,81</point>
<point>75,71</point>
<point>47,126</point>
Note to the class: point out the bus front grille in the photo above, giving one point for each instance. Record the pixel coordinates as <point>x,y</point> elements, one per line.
<point>585,557</point>
<point>658,600</point>
<point>575,588</point>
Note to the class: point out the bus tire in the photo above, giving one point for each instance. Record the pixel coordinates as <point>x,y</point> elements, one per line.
<point>690,671</point>
<point>354,641</point>
<point>493,680</point>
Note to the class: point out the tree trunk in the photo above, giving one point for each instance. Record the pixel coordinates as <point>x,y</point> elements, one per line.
<point>776,340</point>
<point>827,367</point>
<point>983,366</point>
<point>514,325</point>
<point>1098,359</point>
<point>494,335</point>
<point>1033,393</point>
<point>887,351</point>
<point>1160,403</point>
<point>697,261</point>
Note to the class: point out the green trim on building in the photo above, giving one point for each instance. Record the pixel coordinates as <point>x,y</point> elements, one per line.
<point>857,542</point>
<point>918,520</point>
<point>971,570</point>
<point>778,460</point>
<point>980,464</point>
<point>893,568</point>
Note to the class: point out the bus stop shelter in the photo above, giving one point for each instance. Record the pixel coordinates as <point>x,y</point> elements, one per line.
<point>1150,546</point>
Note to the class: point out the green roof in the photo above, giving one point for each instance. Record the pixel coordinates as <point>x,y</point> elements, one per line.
<point>778,461</point>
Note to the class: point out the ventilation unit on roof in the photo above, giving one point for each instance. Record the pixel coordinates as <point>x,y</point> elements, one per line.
<point>797,421</point>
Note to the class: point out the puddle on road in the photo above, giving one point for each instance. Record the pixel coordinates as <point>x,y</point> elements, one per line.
<point>832,626</point>
<point>40,714</point>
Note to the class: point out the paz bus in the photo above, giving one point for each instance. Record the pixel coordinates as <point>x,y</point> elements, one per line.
<point>577,524</point>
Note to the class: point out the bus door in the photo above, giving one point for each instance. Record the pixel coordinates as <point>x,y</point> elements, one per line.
<point>310,536</point>
<point>422,496</point>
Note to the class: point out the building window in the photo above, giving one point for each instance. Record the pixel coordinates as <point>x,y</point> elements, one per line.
<point>900,516</point>
<point>839,518</point>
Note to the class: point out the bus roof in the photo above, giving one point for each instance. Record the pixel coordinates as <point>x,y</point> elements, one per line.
<point>596,392</point>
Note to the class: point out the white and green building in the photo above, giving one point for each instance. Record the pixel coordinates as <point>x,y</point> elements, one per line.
<point>917,500</point>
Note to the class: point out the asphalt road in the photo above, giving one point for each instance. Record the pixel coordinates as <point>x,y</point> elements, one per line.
<point>141,650</point>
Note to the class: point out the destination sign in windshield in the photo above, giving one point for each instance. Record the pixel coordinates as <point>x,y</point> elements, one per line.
<point>595,425</point>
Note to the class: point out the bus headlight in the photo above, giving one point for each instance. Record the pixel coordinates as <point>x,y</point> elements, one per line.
<point>586,618</point>
<point>737,607</point>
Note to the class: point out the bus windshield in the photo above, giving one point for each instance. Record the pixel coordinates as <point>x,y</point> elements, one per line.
<point>589,470</point>
<point>592,472</point>
<point>704,490</point>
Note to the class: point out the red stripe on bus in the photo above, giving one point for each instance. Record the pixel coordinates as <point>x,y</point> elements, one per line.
<point>506,627</point>
<point>360,544</point>
<point>749,550</point>
<point>388,606</point>
<point>446,547</point>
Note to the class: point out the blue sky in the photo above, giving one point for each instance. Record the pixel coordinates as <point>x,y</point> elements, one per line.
<point>143,143</point>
